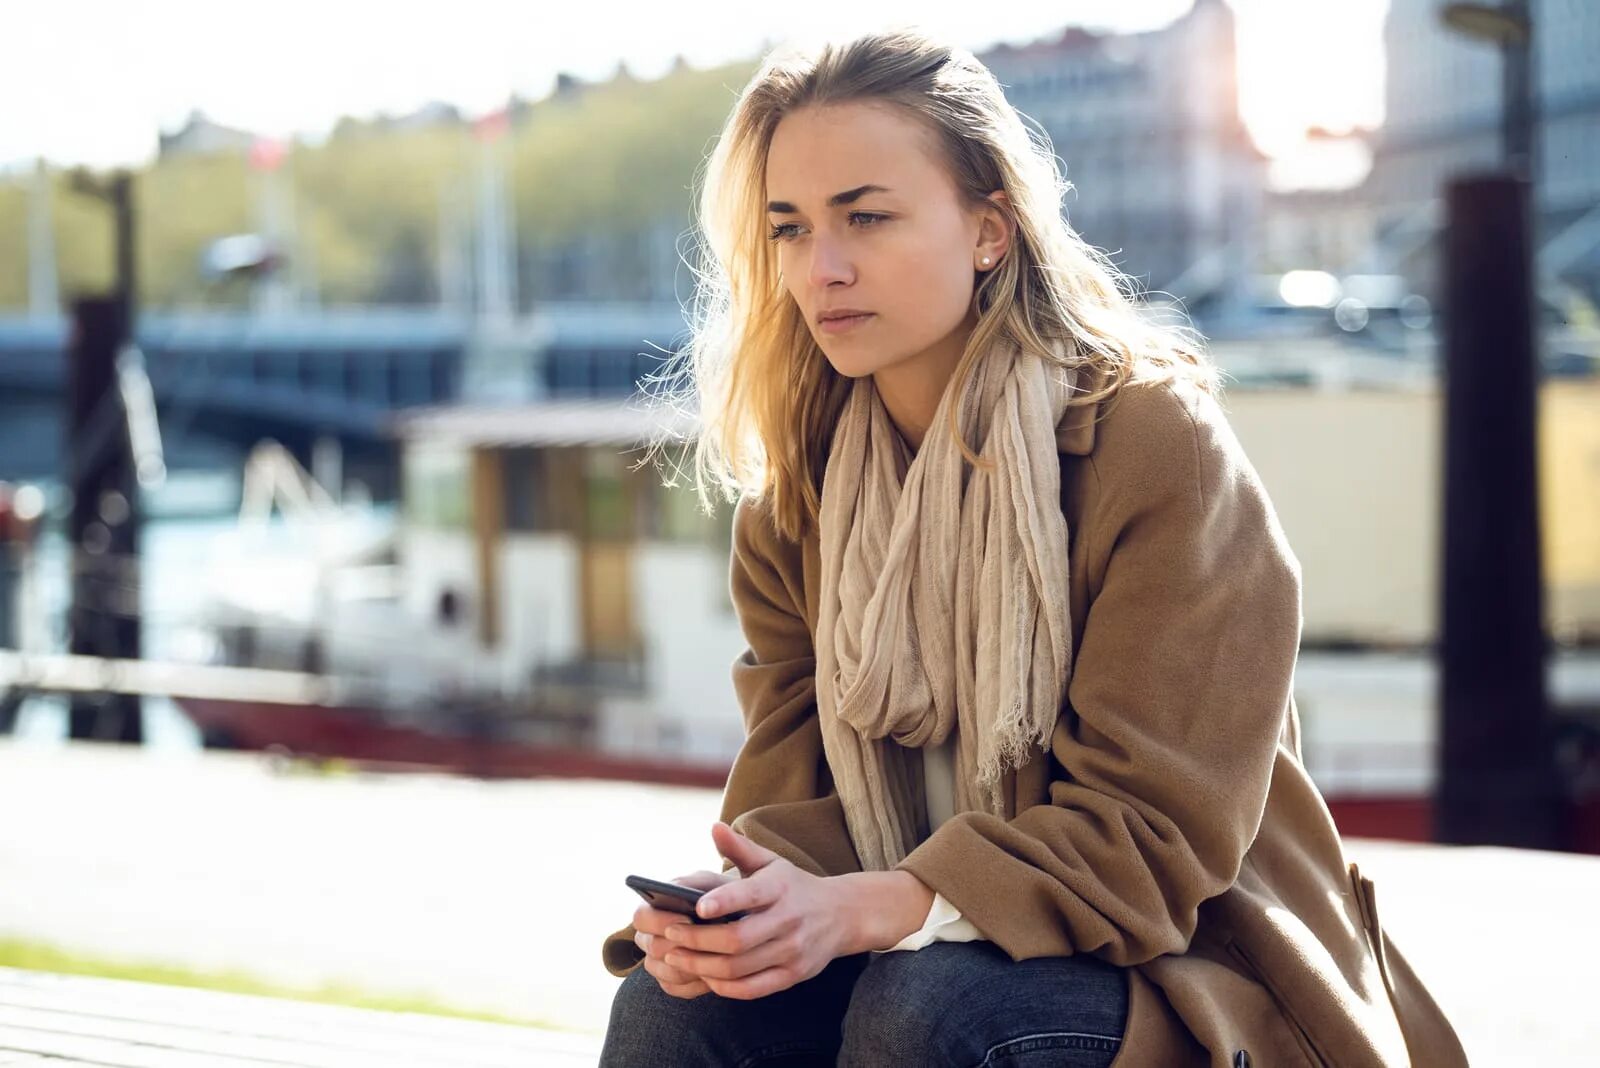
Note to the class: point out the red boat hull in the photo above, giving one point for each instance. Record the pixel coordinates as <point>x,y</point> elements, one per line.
<point>364,736</point>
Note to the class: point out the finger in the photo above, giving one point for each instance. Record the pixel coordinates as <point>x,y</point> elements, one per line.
<point>693,989</point>
<point>754,986</point>
<point>770,954</point>
<point>701,880</point>
<point>655,947</point>
<point>737,936</point>
<point>648,918</point>
<point>740,849</point>
<point>760,890</point>
<point>667,975</point>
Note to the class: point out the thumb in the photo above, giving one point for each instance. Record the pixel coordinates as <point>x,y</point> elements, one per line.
<point>749,856</point>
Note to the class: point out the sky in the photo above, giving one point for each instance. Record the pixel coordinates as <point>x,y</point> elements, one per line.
<point>92,82</point>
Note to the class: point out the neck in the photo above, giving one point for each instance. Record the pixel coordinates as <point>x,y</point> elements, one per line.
<point>912,388</point>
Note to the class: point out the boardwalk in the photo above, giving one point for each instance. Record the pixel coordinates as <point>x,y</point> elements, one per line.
<point>495,896</point>
<point>50,1020</point>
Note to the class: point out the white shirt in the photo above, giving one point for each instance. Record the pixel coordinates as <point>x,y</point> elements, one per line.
<point>944,922</point>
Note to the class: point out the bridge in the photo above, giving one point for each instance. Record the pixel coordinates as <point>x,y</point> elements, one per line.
<point>236,377</point>
<point>224,380</point>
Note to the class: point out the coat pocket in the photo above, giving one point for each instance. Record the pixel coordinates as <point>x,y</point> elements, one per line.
<point>1313,1055</point>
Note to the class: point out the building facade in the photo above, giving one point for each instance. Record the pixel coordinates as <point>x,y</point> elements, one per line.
<point>1442,118</point>
<point>1166,178</point>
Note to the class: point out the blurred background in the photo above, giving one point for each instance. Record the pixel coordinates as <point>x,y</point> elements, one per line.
<point>323,337</point>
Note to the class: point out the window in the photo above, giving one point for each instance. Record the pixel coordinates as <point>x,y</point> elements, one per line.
<point>435,485</point>
<point>523,490</point>
<point>609,510</point>
<point>682,519</point>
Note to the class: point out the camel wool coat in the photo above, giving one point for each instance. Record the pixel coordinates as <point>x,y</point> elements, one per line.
<point>1171,827</point>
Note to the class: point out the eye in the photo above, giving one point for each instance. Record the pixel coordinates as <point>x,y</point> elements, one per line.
<point>862,219</point>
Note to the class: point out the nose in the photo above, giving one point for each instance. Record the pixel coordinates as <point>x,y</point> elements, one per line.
<point>829,262</point>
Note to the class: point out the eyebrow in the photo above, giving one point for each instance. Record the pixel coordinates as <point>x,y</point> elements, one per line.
<point>849,196</point>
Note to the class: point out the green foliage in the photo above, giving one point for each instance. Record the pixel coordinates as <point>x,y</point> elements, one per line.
<point>620,155</point>
<point>608,159</point>
<point>39,957</point>
<point>13,245</point>
<point>184,203</point>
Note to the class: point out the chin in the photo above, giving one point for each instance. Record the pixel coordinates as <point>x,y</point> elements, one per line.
<point>855,364</point>
<point>851,370</point>
<point>848,364</point>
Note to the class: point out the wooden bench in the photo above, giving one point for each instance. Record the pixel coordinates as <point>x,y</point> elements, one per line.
<point>50,1020</point>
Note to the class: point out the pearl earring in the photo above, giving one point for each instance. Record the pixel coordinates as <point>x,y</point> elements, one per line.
<point>986,261</point>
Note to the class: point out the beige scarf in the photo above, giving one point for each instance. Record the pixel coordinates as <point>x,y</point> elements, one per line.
<point>944,598</point>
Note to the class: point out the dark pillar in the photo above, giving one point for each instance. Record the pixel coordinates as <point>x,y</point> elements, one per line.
<point>1498,781</point>
<point>10,572</point>
<point>103,524</point>
<point>11,550</point>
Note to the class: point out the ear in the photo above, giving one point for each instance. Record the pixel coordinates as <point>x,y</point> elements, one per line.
<point>996,227</point>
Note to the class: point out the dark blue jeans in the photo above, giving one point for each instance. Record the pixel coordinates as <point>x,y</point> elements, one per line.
<point>949,1004</point>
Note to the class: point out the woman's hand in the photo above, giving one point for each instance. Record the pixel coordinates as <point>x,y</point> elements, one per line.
<point>797,924</point>
<point>649,922</point>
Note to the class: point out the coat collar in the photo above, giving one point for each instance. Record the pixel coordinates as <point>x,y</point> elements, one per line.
<point>1075,432</point>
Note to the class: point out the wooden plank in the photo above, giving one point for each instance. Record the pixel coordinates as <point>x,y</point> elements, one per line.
<point>108,1053</point>
<point>284,1016</point>
<point>319,1049</point>
<point>115,1022</point>
<point>152,1047</point>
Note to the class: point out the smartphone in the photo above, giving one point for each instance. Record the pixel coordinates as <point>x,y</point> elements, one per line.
<point>674,897</point>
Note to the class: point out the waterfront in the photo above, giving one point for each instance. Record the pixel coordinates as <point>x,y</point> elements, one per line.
<point>184,538</point>
<point>1368,716</point>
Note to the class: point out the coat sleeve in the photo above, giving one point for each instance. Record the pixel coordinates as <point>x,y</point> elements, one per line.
<point>1181,681</point>
<point>779,792</point>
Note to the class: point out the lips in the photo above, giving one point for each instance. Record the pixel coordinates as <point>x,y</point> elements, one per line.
<point>840,313</point>
<point>841,323</point>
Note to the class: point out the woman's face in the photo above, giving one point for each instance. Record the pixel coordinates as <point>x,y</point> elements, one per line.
<point>865,217</point>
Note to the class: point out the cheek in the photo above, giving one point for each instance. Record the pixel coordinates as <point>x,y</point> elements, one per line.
<point>791,272</point>
<point>933,283</point>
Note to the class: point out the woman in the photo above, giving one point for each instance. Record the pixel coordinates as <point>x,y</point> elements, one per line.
<point>1022,778</point>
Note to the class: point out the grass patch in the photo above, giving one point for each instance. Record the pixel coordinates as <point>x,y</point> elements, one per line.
<point>40,957</point>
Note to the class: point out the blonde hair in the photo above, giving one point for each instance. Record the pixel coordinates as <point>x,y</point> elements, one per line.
<point>766,394</point>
